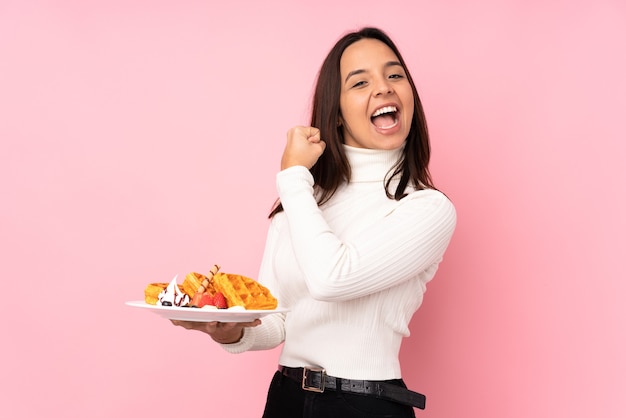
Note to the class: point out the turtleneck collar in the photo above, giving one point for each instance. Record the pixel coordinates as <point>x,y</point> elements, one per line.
<point>371,165</point>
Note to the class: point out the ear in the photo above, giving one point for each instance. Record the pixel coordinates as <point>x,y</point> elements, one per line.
<point>339,121</point>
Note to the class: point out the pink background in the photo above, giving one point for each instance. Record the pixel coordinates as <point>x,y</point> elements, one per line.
<point>140,140</point>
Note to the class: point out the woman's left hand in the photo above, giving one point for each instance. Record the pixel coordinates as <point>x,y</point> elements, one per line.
<point>304,147</point>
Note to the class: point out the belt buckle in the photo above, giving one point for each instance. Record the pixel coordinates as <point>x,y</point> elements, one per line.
<point>306,375</point>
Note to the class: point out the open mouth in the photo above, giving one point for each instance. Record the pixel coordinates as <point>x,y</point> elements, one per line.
<point>385,117</point>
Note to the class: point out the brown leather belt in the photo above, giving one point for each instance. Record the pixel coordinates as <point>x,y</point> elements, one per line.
<point>315,379</point>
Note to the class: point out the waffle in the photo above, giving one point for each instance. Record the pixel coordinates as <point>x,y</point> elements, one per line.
<point>196,282</point>
<point>243,291</point>
<point>152,291</point>
<point>192,282</point>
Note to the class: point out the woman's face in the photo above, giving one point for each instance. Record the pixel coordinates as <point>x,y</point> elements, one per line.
<point>376,100</point>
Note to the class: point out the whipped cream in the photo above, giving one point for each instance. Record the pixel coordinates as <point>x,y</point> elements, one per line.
<point>172,295</point>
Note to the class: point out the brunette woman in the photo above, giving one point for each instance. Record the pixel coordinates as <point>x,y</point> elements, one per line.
<point>358,231</point>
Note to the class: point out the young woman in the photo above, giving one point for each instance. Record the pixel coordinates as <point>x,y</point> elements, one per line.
<point>357,232</point>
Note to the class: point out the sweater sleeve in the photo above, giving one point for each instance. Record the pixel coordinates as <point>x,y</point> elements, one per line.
<point>408,241</point>
<point>271,332</point>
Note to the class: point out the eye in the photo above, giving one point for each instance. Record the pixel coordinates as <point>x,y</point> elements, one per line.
<point>358,84</point>
<point>396,76</point>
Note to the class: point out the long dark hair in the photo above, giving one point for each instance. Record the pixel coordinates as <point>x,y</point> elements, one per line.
<point>333,169</point>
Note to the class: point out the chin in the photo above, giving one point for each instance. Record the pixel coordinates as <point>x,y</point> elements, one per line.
<point>393,146</point>
<point>390,143</point>
<point>385,145</point>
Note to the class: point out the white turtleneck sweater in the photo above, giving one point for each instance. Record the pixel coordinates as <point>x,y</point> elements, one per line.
<point>351,272</point>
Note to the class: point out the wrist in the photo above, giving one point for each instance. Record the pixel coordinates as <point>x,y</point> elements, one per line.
<point>232,338</point>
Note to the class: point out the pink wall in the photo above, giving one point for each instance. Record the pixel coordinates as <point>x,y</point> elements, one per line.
<point>140,140</point>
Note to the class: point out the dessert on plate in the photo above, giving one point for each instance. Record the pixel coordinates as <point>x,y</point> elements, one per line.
<point>215,290</point>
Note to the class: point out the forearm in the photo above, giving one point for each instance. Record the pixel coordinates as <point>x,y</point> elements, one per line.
<point>266,336</point>
<point>396,247</point>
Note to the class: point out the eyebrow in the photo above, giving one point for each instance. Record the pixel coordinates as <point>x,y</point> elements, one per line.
<point>361,71</point>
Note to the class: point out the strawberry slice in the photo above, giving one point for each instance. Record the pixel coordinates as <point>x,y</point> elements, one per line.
<point>201,299</point>
<point>195,301</point>
<point>206,299</point>
<point>220,301</point>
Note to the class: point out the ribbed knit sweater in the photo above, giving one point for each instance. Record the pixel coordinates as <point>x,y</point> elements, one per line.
<point>352,272</point>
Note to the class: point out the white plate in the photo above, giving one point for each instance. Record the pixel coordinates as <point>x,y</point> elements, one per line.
<point>204,315</point>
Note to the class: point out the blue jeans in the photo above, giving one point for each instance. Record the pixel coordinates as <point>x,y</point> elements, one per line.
<point>287,399</point>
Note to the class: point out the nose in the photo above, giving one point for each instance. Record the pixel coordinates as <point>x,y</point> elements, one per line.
<point>383,87</point>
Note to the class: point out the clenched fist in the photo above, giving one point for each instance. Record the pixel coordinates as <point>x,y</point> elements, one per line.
<point>304,147</point>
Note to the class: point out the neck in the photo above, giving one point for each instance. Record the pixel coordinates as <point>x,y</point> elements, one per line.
<point>371,165</point>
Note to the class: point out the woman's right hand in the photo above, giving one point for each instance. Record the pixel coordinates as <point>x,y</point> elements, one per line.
<point>304,147</point>
<point>221,332</point>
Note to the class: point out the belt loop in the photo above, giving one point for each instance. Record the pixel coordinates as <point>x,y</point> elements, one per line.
<point>338,388</point>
